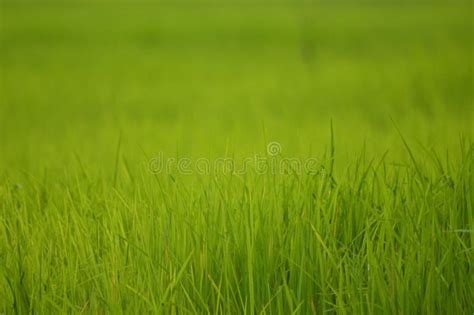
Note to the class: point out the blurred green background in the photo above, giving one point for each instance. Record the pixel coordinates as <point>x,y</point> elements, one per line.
<point>206,79</point>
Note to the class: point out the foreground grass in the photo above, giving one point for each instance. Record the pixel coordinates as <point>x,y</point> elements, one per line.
<point>379,238</point>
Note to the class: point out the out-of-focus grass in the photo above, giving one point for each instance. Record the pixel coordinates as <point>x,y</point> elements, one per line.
<point>84,227</point>
<point>73,76</point>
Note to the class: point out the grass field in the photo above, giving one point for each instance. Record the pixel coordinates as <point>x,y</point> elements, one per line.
<point>378,96</point>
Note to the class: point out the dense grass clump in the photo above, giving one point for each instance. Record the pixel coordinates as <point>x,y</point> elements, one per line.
<point>95,94</point>
<point>377,238</point>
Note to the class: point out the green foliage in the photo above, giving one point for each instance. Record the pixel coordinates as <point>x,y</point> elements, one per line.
<point>380,95</point>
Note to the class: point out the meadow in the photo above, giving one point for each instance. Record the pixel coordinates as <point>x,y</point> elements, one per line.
<point>378,95</point>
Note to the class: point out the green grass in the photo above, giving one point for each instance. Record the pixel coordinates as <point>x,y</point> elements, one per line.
<point>380,95</point>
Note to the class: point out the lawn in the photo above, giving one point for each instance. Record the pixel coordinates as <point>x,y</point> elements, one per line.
<point>242,157</point>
